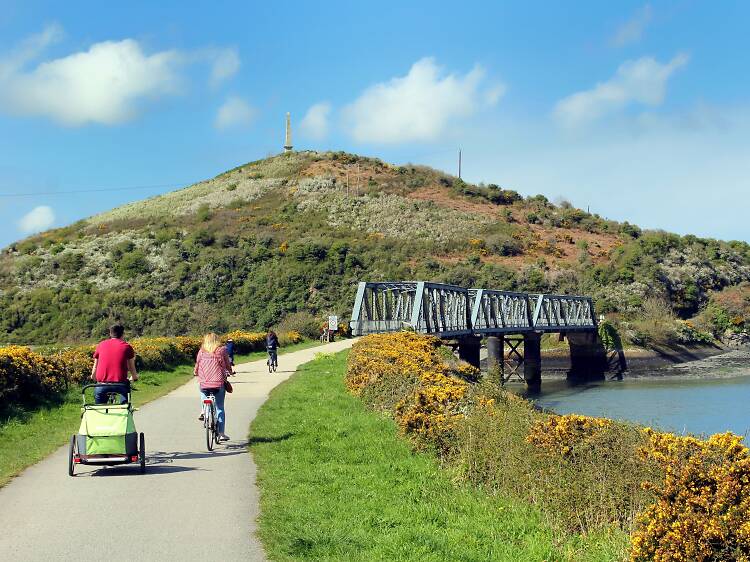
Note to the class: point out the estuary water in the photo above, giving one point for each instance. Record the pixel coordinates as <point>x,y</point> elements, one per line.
<point>700,397</point>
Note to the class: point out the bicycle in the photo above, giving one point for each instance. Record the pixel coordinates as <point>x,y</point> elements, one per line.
<point>273,360</point>
<point>210,421</point>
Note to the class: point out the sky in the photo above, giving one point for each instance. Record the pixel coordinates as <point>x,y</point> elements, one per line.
<point>636,111</point>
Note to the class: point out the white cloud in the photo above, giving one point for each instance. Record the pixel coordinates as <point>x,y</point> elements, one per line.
<point>632,30</point>
<point>418,106</point>
<point>234,112</point>
<point>101,85</point>
<point>226,63</point>
<point>641,81</point>
<point>38,219</point>
<point>105,84</point>
<point>315,122</point>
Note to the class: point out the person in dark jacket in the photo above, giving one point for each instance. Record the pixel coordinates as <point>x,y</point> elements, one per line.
<point>230,350</point>
<point>272,345</point>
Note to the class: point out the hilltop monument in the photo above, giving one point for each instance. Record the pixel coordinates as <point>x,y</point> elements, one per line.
<point>288,137</point>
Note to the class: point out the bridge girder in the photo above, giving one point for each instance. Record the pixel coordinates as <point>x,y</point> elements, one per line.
<point>449,311</point>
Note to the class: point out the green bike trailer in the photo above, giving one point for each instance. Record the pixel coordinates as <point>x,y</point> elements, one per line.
<point>107,435</point>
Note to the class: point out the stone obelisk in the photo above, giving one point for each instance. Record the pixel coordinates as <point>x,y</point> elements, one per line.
<point>288,137</point>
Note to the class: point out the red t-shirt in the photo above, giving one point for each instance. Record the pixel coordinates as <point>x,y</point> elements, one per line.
<point>113,355</point>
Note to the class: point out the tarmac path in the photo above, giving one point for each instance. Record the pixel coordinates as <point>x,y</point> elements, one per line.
<point>190,504</point>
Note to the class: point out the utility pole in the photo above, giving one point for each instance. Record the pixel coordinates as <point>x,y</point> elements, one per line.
<point>459,163</point>
<point>357,192</point>
<point>347,180</point>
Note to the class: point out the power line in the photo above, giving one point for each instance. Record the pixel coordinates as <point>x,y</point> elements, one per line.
<point>94,190</point>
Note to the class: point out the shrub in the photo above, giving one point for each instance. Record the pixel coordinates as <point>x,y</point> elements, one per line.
<point>702,508</point>
<point>131,264</point>
<point>404,374</point>
<point>246,342</point>
<point>562,434</point>
<point>656,323</point>
<point>28,378</point>
<point>303,323</point>
<point>203,213</point>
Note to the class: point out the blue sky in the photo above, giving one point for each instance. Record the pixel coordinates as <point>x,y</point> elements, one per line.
<point>637,110</point>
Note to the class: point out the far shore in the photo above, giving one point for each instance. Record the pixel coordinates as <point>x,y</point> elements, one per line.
<point>674,362</point>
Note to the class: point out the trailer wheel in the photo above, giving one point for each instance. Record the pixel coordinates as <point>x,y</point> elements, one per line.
<point>71,454</point>
<point>142,454</point>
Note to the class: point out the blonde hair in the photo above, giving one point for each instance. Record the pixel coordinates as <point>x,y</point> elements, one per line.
<point>211,342</point>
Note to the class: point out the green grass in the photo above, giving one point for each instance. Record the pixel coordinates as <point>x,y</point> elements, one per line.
<point>338,483</point>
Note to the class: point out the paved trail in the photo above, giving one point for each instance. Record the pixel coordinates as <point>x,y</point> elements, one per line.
<point>118,514</point>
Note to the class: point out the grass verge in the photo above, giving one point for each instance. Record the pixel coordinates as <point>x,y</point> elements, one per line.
<point>338,483</point>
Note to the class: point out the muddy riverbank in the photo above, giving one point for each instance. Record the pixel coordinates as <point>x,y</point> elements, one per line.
<point>689,362</point>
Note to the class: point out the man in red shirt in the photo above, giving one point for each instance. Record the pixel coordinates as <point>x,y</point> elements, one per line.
<point>113,360</point>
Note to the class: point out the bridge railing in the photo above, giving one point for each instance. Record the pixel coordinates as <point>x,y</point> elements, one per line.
<point>429,308</point>
<point>450,311</point>
<point>500,311</point>
<point>562,313</point>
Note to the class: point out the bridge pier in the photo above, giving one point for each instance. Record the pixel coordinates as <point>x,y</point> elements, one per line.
<point>588,358</point>
<point>495,352</point>
<point>532,360</point>
<point>469,348</point>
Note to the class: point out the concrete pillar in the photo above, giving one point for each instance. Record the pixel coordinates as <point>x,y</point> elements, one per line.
<point>495,352</point>
<point>532,361</point>
<point>588,358</point>
<point>469,348</point>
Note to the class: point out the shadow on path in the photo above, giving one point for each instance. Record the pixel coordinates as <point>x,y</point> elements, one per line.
<point>276,439</point>
<point>162,457</point>
<point>134,470</point>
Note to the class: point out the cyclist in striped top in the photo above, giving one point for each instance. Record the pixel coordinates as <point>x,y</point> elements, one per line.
<point>212,367</point>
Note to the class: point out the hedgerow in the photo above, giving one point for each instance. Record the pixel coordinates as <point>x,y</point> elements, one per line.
<point>29,378</point>
<point>681,498</point>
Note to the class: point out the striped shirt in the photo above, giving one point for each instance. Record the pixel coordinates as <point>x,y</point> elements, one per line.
<point>212,368</point>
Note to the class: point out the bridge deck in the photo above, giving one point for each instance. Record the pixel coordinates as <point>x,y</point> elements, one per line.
<point>449,311</point>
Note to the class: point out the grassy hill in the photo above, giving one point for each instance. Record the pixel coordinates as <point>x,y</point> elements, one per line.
<point>284,240</point>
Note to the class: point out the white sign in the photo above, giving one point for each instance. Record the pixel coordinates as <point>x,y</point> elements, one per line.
<point>333,323</point>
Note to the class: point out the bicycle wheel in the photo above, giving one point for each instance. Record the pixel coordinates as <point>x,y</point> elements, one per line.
<point>210,428</point>
<point>270,365</point>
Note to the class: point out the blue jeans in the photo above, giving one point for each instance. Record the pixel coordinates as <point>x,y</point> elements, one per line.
<point>219,394</point>
<point>101,392</point>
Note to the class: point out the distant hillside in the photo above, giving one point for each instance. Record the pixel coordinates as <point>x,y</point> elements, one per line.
<point>284,238</point>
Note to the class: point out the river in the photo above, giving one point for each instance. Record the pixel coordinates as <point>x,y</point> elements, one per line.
<point>700,397</point>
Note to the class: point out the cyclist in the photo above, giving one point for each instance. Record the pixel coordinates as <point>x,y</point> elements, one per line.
<point>212,366</point>
<point>114,362</point>
<point>230,350</point>
<point>272,345</point>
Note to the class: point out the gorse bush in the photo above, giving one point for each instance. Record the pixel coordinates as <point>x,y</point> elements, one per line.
<point>702,508</point>
<point>681,497</point>
<point>28,378</point>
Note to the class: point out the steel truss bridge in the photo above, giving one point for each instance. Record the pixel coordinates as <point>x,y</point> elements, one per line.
<point>448,311</point>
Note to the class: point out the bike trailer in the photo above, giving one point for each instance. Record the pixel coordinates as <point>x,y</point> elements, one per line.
<point>107,435</point>
<point>107,429</point>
